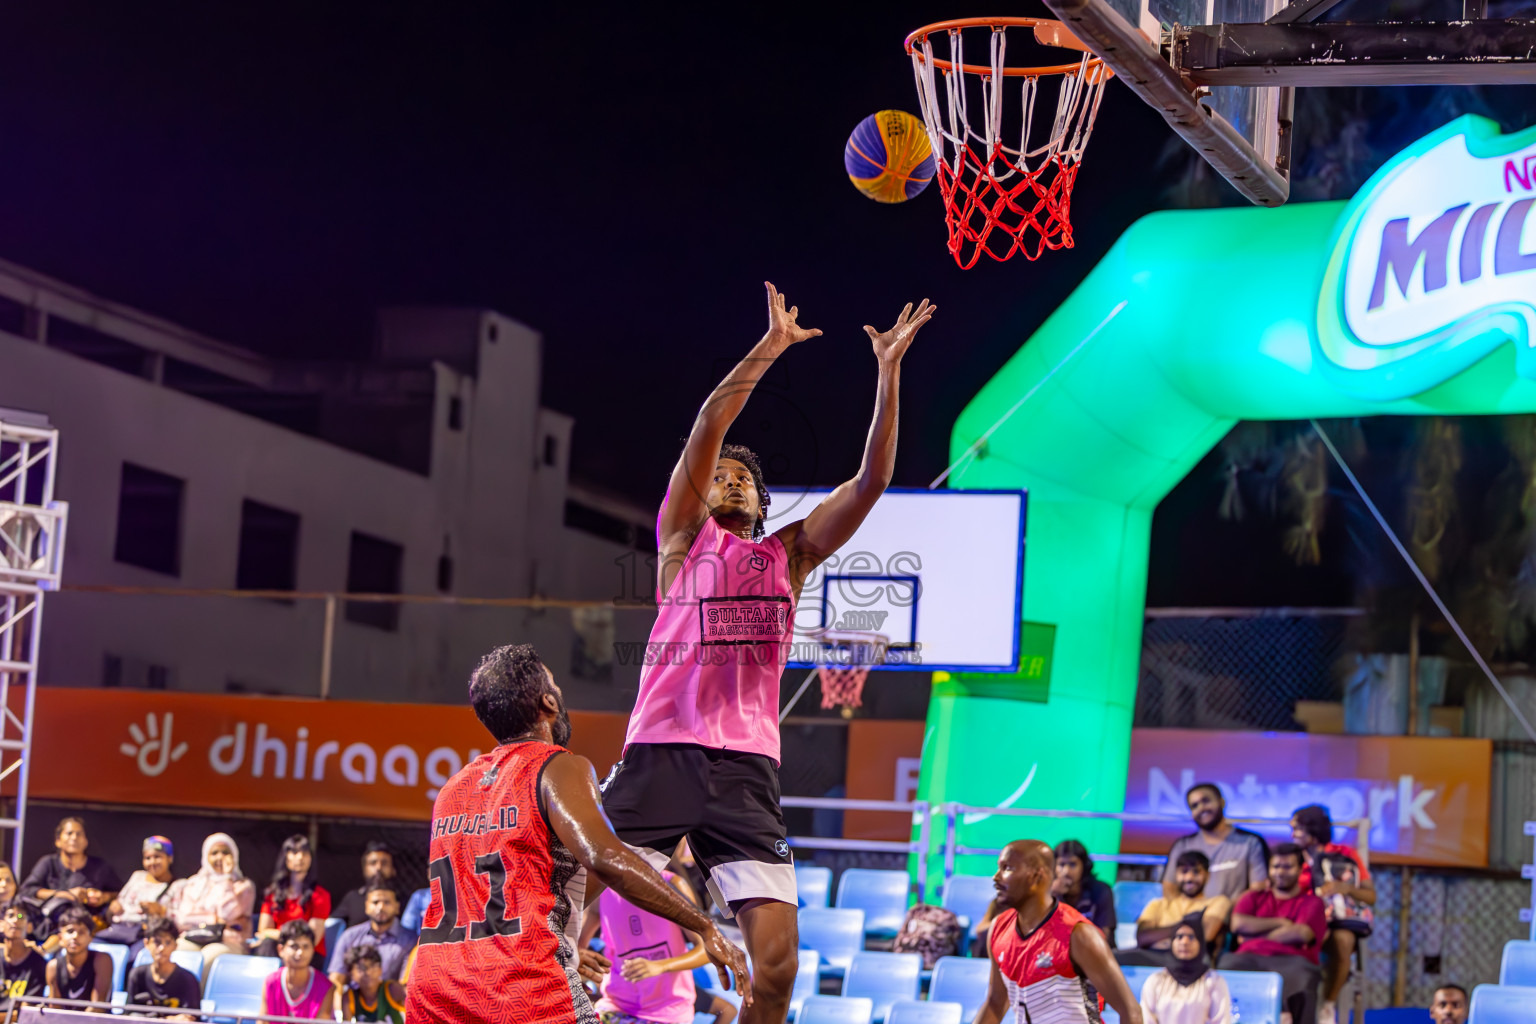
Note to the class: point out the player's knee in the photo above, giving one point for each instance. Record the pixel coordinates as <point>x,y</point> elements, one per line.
<point>773,970</point>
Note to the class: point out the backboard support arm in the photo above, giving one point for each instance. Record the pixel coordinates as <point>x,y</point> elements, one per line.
<point>1138,64</point>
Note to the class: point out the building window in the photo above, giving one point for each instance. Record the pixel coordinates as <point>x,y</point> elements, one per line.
<point>157,677</point>
<point>149,520</point>
<point>269,548</point>
<point>455,413</point>
<point>551,449</point>
<point>373,567</point>
<point>445,573</point>
<point>111,670</point>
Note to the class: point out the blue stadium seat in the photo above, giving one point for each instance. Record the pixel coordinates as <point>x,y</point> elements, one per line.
<point>1255,995</point>
<point>1502,1004</point>
<point>884,978</point>
<point>882,895</point>
<point>963,980</point>
<point>334,926</point>
<point>814,885</point>
<point>1131,898</point>
<point>910,1011</point>
<point>968,896</point>
<point>807,980</point>
<point>1136,977</point>
<point>415,910</point>
<point>1398,1015</point>
<point>119,955</point>
<point>835,1010</point>
<point>835,933</point>
<point>1519,964</point>
<point>235,983</point>
<point>186,959</point>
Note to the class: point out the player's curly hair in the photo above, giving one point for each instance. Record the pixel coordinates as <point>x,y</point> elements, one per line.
<point>747,457</point>
<point>505,689</point>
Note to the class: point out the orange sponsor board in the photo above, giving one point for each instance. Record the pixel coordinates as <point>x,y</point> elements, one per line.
<point>1427,798</point>
<point>883,761</point>
<point>345,758</point>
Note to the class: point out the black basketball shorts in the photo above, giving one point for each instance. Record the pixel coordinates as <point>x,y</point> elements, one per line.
<point>724,802</point>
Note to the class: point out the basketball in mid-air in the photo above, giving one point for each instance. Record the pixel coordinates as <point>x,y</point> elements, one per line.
<point>888,156</point>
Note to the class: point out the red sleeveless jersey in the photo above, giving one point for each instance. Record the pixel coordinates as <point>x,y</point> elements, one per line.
<point>498,940</point>
<point>1043,984</point>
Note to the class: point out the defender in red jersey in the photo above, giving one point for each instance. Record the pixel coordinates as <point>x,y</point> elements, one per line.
<point>514,835</point>
<point>1050,965</point>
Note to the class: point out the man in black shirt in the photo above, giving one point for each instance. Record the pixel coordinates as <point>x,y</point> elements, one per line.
<point>69,878</point>
<point>23,972</point>
<point>161,982</point>
<point>378,862</point>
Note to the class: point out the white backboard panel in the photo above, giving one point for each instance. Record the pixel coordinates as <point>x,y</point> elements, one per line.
<point>940,573</point>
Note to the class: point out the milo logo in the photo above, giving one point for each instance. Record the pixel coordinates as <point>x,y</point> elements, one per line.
<point>1433,265</point>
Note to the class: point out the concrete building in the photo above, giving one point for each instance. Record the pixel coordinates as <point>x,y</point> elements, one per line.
<point>430,470</point>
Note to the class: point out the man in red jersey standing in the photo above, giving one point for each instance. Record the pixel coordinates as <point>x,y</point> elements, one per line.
<point>701,754</point>
<point>514,835</point>
<point>1049,962</point>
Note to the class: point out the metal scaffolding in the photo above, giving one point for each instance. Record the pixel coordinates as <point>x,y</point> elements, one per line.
<point>32,527</point>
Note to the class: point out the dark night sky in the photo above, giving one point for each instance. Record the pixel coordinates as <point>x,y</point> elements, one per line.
<point>621,180</point>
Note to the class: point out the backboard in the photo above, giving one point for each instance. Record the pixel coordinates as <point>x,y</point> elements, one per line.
<point>939,573</point>
<point>1222,72</point>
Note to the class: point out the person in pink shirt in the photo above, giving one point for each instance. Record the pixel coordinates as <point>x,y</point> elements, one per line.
<point>298,989</point>
<point>701,754</point>
<point>651,981</point>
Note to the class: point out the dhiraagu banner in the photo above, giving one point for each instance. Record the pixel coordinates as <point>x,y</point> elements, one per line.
<point>1434,265</point>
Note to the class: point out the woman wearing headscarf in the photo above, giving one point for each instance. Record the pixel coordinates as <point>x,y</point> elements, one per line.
<point>213,910</point>
<point>1188,992</point>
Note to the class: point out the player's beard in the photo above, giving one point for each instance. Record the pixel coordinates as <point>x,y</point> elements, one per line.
<point>560,730</point>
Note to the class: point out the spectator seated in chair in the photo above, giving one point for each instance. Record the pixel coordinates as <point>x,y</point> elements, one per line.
<point>368,995</point>
<point>147,894</point>
<point>161,982</point>
<point>213,910</point>
<point>1075,886</point>
<point>69,877</point>
<point>1338,875</point>
<point>382,930</point>
<point>293,896</point>
<point>9,890</point>
<point>1160,917</point>
<point>298,989</point>
<point>1238,858</point>
<point>1450,1005</point>
<point>23,971</point>
<point>77,971</point>
<point>651,974</point>
<point>378,862</point>
<point>1282,931</point>
<point>1186,991</point>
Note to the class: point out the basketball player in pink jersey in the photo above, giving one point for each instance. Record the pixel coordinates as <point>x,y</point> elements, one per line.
<point>1050,964</point>
<point>701,755</point>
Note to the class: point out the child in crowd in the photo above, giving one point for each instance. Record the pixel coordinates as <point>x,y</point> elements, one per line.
<point>23,971</point>
<point>78,972</point>
<point>9,890</point>
<point>297,989</point>
<point>368,996</point>
<point>161,982</point>
<point>147,894</point>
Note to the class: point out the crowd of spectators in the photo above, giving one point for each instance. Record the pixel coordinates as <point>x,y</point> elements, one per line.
<point>72,898</point>
<point>1298,910</point>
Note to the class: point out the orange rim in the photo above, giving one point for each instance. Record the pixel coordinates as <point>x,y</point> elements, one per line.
<point>1047,31</point>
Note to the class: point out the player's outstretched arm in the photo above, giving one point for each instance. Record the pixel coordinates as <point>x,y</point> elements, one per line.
<point>1093,957</point>
<point>834,521</point>
<point>996,1005</point>
<point>691,477</point>
<point>569,789</point>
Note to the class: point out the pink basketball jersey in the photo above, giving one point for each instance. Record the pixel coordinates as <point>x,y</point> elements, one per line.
<point>628,933</point>
<point>712,667</point>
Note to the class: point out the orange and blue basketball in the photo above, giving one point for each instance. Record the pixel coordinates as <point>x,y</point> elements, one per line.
<point>888,156</point>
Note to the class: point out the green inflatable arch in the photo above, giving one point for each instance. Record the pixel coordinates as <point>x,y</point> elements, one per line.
<point>1416,297</point>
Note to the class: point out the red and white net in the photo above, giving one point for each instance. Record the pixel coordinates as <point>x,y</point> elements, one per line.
<point>849,662</point>
<point>1006,190</point>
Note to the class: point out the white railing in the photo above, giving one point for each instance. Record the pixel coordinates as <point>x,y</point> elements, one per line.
<point>1529,871</point>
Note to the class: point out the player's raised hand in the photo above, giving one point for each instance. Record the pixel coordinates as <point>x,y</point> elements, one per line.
<point>725,954</point>
<point>891,345</point>
<point>781,322</point>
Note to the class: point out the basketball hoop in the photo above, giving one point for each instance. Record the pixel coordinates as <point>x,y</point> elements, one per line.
<point>998,199</point>
<point>851,656</point>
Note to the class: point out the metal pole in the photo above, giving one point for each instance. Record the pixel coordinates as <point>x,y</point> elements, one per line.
<point>327,646</point>
<point>925,811</point>
<point>1400,975</point>
<point>1413,674</point>
<point>949,842</point>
